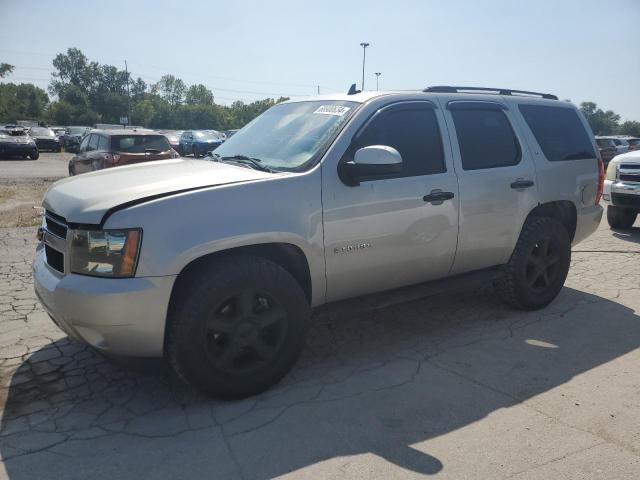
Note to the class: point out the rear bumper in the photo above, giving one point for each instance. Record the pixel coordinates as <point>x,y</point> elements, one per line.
<point>587,222</point>
<point>117,316</point>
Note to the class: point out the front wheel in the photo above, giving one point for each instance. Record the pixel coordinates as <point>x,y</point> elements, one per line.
<point>621,217</point>
<point>538,266</point>
<point>237,326</point>
<point>34,155</point>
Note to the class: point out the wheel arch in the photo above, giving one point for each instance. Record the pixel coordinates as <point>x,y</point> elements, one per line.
<point>288,256</point>
<point>563,211</point>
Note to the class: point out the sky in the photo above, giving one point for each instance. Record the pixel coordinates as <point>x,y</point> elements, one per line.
<point>583,50</point>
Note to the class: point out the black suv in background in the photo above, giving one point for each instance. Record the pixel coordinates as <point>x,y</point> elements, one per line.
<point>607,148</point>
<point>45,139</point>
<point>73,137</point>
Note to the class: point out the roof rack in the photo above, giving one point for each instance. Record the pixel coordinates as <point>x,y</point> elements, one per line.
<point>498,91</point>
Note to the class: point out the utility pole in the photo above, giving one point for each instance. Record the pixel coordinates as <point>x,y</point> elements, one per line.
<point>126,69</point>
<point>318,89</point>
<point>377,74</point>
<point>364,46</point>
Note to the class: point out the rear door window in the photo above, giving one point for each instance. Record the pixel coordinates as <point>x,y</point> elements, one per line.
<point>93,143</point>
<point>486,138</point>
<point>103,143</point>
<point>559,132</point>
<point>139,143</point>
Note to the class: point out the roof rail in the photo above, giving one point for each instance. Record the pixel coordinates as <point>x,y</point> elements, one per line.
<point>499,91</point>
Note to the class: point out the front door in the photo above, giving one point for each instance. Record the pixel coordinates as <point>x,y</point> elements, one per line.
<point>395,230</point>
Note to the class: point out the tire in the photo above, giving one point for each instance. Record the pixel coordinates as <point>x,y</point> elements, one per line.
<point>621,217</point>
<point>195,152</point>
<point>215,340</point>
<point>34,155</point>
<point>72,170</point>
<point>539,265</point>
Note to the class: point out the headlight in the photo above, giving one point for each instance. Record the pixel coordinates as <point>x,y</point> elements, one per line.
<point>105,253</point>
<point>612,169</point>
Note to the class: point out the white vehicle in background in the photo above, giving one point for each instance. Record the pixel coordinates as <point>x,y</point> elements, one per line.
<point>622,190</point>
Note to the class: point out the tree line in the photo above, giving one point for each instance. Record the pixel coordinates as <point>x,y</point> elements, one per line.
<point>82,92</point>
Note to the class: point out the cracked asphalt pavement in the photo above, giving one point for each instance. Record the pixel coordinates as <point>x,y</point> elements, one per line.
<point>450,385</point>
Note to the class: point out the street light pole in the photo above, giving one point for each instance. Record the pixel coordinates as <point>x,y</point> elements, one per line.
<point>364,46</point>
<point>377,74</point>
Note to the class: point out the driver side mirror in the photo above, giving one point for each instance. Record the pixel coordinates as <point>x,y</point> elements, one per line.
<point>371,161</point>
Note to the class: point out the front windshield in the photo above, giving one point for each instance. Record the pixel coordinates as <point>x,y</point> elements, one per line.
<point>288,136</point>
<point>41,131</point>
<point>207,135</point>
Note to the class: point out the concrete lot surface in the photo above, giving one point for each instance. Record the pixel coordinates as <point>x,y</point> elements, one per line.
<point>453,386</point>
<point>49,165</point>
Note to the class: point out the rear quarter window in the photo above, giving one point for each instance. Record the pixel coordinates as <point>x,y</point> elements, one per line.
<point>139,143</point>
<point>559,132</point>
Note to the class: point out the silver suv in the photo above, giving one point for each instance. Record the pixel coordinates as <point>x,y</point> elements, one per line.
<point>216,264</point>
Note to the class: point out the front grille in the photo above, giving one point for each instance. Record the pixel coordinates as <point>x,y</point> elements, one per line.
<point>630,166</point>
<point>55,259</point>
<point>55,226</point>
<point>623,200</point>
<point>626,177</point>
<point>55,239</point>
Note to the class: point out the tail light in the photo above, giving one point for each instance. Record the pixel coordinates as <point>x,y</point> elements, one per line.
<point>600,179</point>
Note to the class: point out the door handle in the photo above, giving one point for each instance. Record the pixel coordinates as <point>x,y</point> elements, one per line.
<point>436,197</point>
<point>522,184</point>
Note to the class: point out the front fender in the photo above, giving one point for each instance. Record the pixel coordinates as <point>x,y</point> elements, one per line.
<point>182,228</point>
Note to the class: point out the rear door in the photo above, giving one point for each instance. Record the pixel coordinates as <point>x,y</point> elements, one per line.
<point>497,181</point>
<point>386,232</point>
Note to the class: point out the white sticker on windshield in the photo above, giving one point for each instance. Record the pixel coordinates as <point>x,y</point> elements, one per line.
<point>338,110</point>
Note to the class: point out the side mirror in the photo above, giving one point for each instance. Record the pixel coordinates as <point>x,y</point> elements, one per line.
<point>370,161</point>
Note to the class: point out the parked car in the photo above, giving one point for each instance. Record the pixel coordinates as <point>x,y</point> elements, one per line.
<point>622,146</point>
<point>634,143</point>
<point>173,136</point>
<point>114,148</point>
<point>45,139</point>
<point>607,149</point>
<point>15,142</point>
<point>622,190</point>
<point>73,137</point>
<point>217,264</point>
<point>199,142</point>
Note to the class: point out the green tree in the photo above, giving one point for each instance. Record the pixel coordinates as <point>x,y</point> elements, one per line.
<point>601,122</point>
<point>630,128</point>
<point>171,89</point>
<point>198,95</point>
<point>22,102</point>
<point>5,69</point>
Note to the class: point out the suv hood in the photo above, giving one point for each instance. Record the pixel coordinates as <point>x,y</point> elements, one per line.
<point>88,197</point>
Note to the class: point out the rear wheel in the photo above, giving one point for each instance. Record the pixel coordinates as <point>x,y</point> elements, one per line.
<point>236,326</point>
<point>538,266</point>
<point>621,217</point>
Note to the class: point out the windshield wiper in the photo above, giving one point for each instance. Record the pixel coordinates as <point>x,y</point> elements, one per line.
<point>253,161</point>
